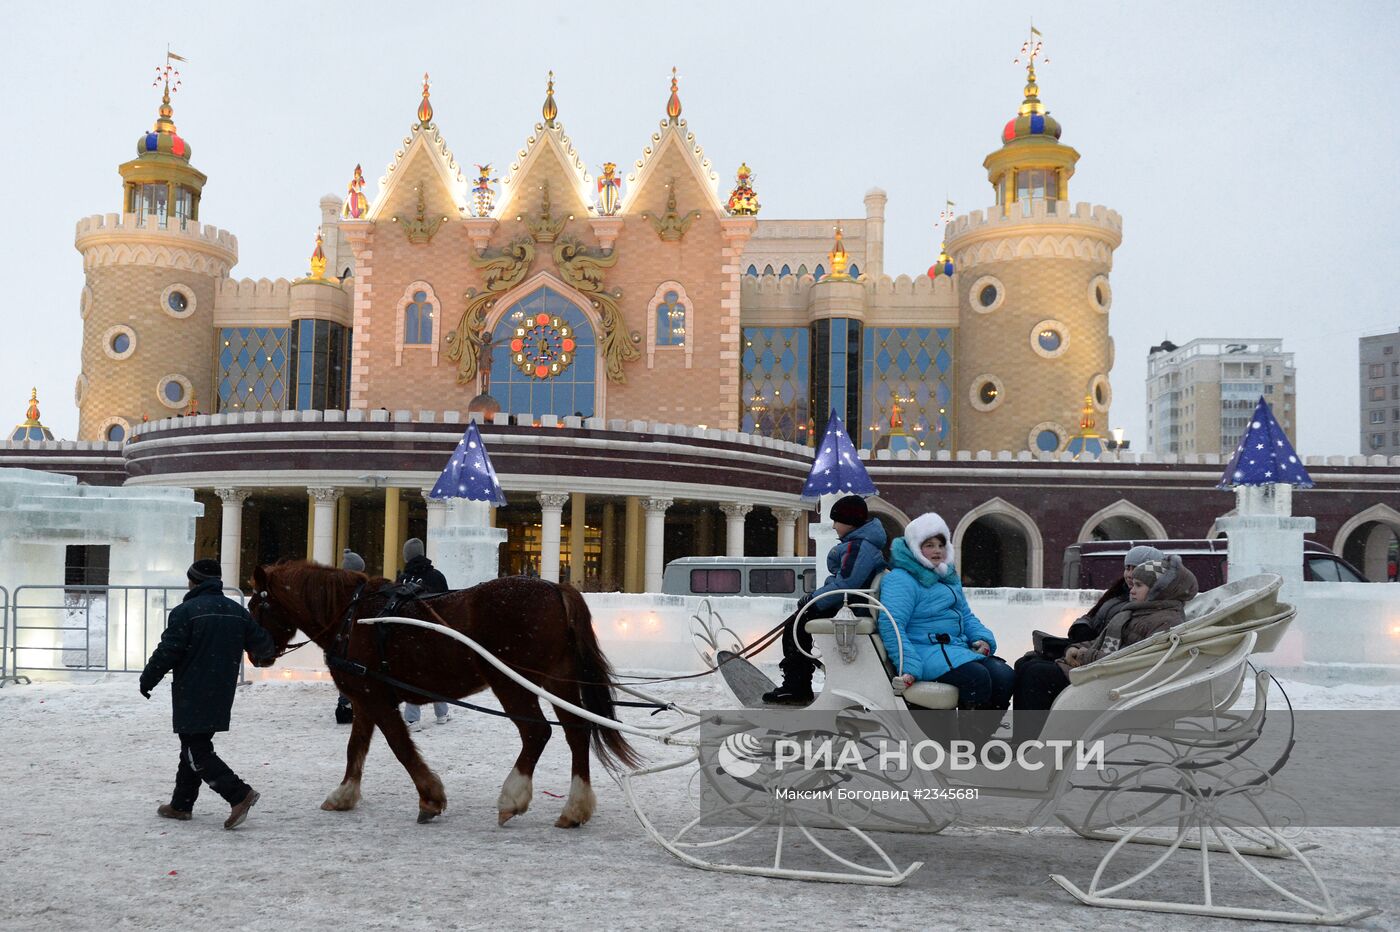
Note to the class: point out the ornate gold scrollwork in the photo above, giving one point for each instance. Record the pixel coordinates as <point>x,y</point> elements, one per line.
<point>501,272</point>
<point>583,269</point>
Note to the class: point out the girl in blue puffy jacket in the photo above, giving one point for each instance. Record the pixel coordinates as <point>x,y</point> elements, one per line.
<point>941,639</point>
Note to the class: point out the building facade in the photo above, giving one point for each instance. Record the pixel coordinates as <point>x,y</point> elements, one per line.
<point>1200,396</point>
<point>1380,393</point>
<point>649,357</point>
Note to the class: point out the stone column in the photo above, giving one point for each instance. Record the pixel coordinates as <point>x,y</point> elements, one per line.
<point>231,536</point>
<point>787,530</point>
<point>393,547</point>
<point>310,529</point>
<point>610,547</point>
<point>874,265</point>
<point>705,532</point>
<point>437,518</point>
<point>578,521</point>
<point>551,514</point>
<point>342,527</point>
<point>323,537</point>
<point>632,541</point>
<point>656,541</point>
<point>734,513</point>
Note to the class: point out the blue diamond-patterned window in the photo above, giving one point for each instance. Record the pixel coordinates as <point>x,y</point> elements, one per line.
<point>418,320</point>
<point>670,321</point>
<point>774,401</point>
<point>906,402</point>
<point>252,358</point>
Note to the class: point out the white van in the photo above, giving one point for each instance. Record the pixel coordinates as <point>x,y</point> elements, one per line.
<point>776,577</point>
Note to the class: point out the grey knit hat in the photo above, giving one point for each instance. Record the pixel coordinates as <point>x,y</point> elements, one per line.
<point>413,547</point>
<point>1148,573</point>
<point>201,570</point>
<point>350,560</point>
<point>1141,554</point>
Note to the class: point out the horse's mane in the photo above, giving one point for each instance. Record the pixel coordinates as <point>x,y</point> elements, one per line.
<point>309,588</point>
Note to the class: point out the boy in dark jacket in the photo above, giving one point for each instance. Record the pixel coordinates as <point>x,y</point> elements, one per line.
<point>853,563</point>
<point>204,643</point>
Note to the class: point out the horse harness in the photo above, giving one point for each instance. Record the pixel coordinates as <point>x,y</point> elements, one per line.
<point>397,595</point>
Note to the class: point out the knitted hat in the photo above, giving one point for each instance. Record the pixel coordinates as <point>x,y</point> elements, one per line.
<point>200,570</point>
<point>1141,554</point>
<point>350,560</point>
<point>850,510</point>
<point>1148,573</point>
<point>921,529</point>
<point>412,548</point>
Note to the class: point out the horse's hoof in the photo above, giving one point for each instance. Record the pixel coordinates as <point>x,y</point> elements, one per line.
<point>566,822</point>
<point>425,816</point>
<point>505,815</point>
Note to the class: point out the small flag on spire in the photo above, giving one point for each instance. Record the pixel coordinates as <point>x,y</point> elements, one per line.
<point>172,55</point>
<point>837,469</point>
<point>469,474</point>
<point>1265,456</point>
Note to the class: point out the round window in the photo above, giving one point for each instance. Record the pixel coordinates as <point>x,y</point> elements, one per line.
<point>177,302</point>
<point>116,433</point>
<point>987,392</point>
<point>121,343</point>
<point>1100,394</point>
<point>1100,293</point>
<point>1047,441</point>
<point>1049,340</point>
<point>988,295</point>
<point>174,392</point>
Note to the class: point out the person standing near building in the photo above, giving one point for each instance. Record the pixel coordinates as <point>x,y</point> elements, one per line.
<point>203,644</point>
<point>419,571</point>
<point>344,712</point>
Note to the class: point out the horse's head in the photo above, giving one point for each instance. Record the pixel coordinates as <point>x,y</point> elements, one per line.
<point>268,612</point>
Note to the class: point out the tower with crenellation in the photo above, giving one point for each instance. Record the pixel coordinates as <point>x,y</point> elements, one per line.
<point>1033,291</point>
<point>151,274</point>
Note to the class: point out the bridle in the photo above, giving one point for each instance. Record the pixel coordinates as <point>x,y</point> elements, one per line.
<point>262,599</point>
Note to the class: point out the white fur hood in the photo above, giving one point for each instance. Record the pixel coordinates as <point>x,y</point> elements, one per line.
<point>921,529</point>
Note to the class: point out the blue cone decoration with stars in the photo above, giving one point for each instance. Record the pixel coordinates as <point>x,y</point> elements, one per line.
<point>469,474</point>
<point>1265,455</point>
<point>837,469</point>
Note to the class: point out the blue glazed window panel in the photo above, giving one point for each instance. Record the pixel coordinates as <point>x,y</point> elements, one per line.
<point>670,321</point>
<point>774,365</point>
<point>252,368</point>
<point>418,320</point>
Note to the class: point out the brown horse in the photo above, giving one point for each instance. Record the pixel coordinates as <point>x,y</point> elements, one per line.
<point>544,628</point>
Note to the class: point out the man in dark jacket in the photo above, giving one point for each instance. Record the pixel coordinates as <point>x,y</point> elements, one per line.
<point>203,643</point>
<point>853,563</point>
<point>419,571</point>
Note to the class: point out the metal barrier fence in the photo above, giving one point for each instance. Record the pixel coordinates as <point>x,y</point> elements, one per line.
<point>96,629</point>
<point>7,672</point>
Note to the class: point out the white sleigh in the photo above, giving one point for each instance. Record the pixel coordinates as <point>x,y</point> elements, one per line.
<point>1181,748</point>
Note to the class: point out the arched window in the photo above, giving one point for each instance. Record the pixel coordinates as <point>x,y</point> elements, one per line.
<point>854,270</point>
<point>670,320</point>
<point>785,271</point>
<point>418,320</point>
<point>753,270</point>
<point>819,273</point>
<point>544,357</point>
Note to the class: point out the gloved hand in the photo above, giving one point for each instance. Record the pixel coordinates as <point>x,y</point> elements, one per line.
<point>146,690</point>
<point>901,683</point>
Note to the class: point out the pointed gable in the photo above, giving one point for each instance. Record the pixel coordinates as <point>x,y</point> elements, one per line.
<point>673,153</point>
<point>548,156</point>
<point>422,161</point>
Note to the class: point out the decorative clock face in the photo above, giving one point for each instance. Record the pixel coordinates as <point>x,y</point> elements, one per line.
<point>543,346</point>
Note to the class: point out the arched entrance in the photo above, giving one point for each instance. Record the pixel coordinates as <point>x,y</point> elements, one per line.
<point>999,545</point>
<point>1370,541</point>
<point>1122,521</point>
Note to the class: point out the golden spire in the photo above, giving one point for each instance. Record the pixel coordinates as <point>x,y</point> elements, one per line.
<point>673,106</point>
<point>318,260</point>
<point>30,428</point>
<point>1030,51</point>
<point>165,122</point>
<point>550,109</point>
<point>425,108</point>
<point>31,415</point>
<point>838,259</point>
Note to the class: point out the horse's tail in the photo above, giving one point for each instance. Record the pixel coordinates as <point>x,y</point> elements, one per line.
<point>595,682</point>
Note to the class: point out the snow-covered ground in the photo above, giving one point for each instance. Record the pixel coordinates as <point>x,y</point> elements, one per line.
<point>81,847</point>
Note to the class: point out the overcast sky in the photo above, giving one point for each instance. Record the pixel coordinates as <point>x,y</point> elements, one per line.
<point>1250,147</point>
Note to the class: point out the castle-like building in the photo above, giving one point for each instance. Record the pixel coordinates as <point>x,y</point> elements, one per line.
<point>651,297</point>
